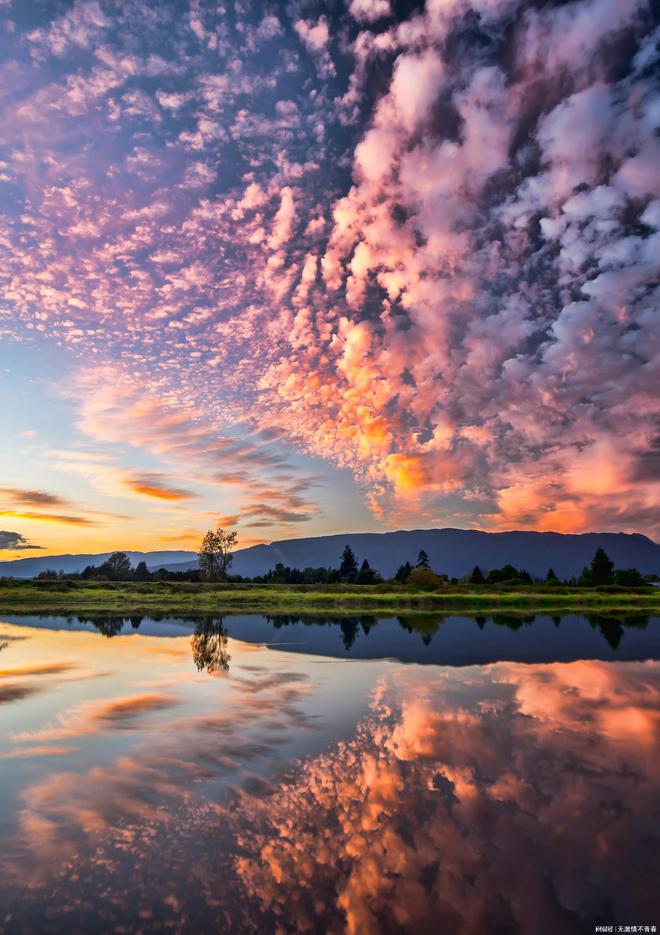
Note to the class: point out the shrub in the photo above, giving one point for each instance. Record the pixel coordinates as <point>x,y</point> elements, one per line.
<point>425,578</point>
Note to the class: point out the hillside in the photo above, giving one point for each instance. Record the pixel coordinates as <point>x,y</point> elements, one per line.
<point>455,551</point>
<point>451,551</point>
<point>29,567</point>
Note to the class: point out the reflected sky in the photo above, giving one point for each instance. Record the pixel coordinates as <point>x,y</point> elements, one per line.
<point>197,782</point>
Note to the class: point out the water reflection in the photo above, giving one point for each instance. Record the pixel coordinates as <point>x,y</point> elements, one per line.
<point>424,637</point>
<point>294,796</point>
<point>207,628</point>
<point>507,801</point>
<point>209,646</point>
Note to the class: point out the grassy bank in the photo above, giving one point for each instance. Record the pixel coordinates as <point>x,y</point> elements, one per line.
<point>77,597</point>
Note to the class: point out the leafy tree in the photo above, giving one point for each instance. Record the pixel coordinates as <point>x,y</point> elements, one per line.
<point>141,572</point>
<point>629,578</point>
<point>215,554</point>
<point>601,568</point>
<point>422,560</point>
<point>117,567</point>
<point>403,572</point>
<point>507,572</point>
<point>48,574</point>
<point>315,575</point>
<point>348,568</point>
<point>477,576</point>
<point>278,575</point>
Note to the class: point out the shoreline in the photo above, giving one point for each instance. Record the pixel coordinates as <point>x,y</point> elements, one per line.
<point>185,598</point>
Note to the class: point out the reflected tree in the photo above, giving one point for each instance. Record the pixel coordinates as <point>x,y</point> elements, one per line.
<point>209,646</point>
<point>349,631</point>
<point>639,621</point>
<point>283,620</point>
<point>426,625</point>
<point>513,621</point>
<point>610,627</point>
<point>108,626</point>
<point>367,623</point>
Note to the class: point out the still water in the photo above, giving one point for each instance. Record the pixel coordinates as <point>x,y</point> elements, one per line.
<point>254,774</point>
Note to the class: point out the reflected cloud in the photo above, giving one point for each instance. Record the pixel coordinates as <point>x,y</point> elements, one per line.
<point>157,792</point>
<point>507,797</point>
<point>26,753</point>
<point>17,692</point>
<point>507,803</point>
<point>92,717</point>
<point>46,668</point>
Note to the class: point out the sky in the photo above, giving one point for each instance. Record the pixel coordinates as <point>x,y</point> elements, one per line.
<point>300,268</point>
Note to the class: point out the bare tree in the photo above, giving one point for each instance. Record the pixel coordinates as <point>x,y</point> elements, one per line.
<point>215,554</point>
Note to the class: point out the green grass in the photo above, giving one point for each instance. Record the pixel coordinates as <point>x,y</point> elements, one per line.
<point>75,597</point>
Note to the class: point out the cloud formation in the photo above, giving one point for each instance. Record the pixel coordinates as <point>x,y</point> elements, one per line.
<point>15,542</point>
<point>453,802</point>
<point>423,248</point>
<point>455,805</point>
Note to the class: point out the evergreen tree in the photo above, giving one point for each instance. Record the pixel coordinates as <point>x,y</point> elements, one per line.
<point>141,572</point>
<point>367,575</point>
<point>477,576</point>
<point>422,560</point>
<point>403,572</point>
<point>585,579</point>
<point>551,576</point>
<point>601,568</point>
<point>348,568</point>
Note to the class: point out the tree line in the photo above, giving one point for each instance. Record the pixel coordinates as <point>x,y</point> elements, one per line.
<point>216,557</point>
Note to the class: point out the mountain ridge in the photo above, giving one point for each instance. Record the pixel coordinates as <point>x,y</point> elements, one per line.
<point>451,551</point>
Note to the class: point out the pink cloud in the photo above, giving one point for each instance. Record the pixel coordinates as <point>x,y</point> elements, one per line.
<point>463,323</point>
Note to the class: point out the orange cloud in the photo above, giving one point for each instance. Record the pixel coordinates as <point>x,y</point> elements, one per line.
<point>25,753</point>
<point>153,485</point>
<point>91,717</point>
<point>50,518</point>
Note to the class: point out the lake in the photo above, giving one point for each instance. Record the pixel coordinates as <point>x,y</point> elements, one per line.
<point>261,774</point>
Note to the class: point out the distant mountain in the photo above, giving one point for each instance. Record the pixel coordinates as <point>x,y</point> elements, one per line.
<point>456,551</point>
<point>451,551</point>
<point>29,567</point>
